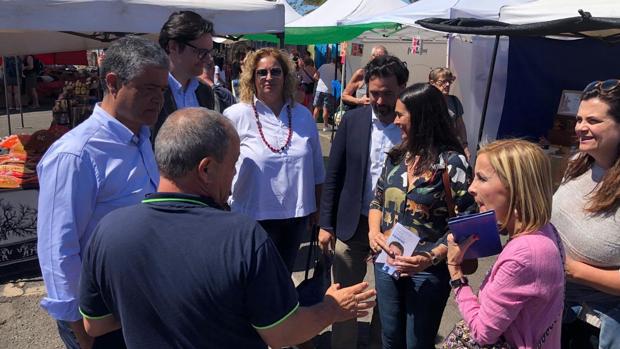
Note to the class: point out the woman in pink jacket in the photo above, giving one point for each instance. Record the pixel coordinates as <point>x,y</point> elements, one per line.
<point>521,300</point>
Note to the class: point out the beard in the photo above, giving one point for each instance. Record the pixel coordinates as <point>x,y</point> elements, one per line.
<point>383,112</point>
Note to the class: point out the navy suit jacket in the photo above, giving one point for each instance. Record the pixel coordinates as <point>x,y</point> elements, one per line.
<point>343,190</point>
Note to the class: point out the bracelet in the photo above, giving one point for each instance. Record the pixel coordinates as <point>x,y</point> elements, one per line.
<point>454,265</point>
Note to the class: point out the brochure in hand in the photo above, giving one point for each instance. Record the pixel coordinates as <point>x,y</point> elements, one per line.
<point>482,224</point>
<point>402,242</point>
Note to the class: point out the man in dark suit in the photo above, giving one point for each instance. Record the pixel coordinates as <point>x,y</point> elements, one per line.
<point>355,161</point>
<point>187,39</point>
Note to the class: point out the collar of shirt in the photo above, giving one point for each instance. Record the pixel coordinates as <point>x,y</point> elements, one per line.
<point>263,109</point>
<point>180,95</point>
<point>118,131</point>
<point>379,124</point>
<point>184,199</point>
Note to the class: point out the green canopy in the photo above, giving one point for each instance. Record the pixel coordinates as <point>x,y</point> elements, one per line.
<point>321,35</point>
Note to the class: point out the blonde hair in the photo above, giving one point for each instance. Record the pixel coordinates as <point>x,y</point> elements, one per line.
<point>438,73</point>
<point>247,80</point>
<point>525,172</point>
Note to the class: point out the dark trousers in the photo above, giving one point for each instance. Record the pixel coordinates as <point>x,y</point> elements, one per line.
<point>287,235</point>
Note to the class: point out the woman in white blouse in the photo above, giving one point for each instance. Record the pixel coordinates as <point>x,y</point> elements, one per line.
<point>280,169</point>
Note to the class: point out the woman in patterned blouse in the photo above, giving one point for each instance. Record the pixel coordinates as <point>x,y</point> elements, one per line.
<point>411,192</point>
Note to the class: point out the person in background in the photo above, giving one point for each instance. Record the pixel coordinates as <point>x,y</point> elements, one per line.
<point>187,38</point>
<point>104,163</point>
<point>12,72</point>
<point>521,299</point>
<point>356,158</point>
<point>308,76</point>
<point>324,101</point>
<point>411,191</point>
<point>585,211</point>
<point>356,92</point>
<point>180,271</point>
<point>223,97</point>
<point>30,80</point>
<point>442,78</point>
<point>280,171</point>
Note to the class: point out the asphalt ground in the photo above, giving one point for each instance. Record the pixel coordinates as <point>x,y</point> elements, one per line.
<point>23,324</point>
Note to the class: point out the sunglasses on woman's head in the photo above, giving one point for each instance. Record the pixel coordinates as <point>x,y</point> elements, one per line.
<point>275,72</point>
<point>602,86</point>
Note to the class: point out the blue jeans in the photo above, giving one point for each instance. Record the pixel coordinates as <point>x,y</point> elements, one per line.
<point>410,308</point>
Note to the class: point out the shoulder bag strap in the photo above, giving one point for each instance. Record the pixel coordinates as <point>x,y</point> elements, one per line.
<point>547,332</point>
<point>445,176</point>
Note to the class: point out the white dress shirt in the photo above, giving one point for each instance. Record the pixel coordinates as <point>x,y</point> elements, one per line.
<point>382,139</point>
<point>272,185</point>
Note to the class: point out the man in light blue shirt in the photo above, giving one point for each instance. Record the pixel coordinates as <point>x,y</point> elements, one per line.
<point>104,163</point>
<point>187,38</point>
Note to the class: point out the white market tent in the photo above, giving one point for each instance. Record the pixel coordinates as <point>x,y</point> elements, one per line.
<point>323,24</point>
<point>558,18</point>
<point>408,15</point>
<point>40,26</point>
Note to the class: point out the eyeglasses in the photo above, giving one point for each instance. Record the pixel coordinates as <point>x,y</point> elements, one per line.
<point>274,72</point>
<point>602,86</point>
<point>445,81</point>
<point>201,52</point>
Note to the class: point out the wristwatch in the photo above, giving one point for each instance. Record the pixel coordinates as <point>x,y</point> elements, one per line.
<point>458,283</point>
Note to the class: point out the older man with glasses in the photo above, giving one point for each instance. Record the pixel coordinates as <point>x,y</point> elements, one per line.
<point>188,40</point>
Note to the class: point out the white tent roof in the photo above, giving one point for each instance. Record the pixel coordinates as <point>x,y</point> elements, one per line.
<point>334,11</point>
<point>34,26</point>
<point>290,14</point>
<point>408,15</point>
<point>548,10</point>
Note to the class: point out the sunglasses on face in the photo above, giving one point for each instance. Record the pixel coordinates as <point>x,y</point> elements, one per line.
<point>602,86</point>
<point>274,72</point>
<point>201,52</point>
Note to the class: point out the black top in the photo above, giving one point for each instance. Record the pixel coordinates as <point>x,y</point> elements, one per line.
<point>179,272</point>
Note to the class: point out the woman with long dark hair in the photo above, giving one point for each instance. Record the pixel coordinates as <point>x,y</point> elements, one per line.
<point>585,211</point>
<point>411,192</point>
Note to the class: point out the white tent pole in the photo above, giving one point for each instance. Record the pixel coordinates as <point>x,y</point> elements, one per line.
<point>6,94</point>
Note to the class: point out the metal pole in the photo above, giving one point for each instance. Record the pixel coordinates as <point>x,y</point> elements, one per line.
<point>488,91</point>
<point>19,88</point>
<point>280,39</point>
<point>6,95</point>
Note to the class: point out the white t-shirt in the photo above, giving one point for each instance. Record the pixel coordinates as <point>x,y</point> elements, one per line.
<point>327,74</point>
<point>219,76</point>
<point>272,185</point>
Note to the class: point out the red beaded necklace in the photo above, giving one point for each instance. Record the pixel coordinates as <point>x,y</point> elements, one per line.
<point>262,135</point>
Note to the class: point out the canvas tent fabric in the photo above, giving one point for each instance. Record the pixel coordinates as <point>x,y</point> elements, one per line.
<point>408,15</point>
<point>38,26</point>
<point>583,26</point>
<point>321,26</point>
<point>290,14</point>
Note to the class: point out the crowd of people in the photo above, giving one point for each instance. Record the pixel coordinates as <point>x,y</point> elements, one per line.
<point>172,221</point>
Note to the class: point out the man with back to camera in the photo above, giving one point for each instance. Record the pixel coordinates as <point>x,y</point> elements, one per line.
<point>356,158</point>
<point>187,38</point>
<point>105,163</point>
<point>181,271</point>
<point>355,92</point>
